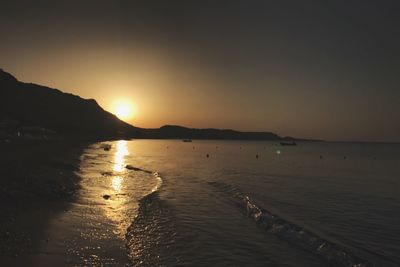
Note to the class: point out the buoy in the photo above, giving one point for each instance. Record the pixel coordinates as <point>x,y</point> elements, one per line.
<point>257,156</point>
<point>320,156</point>
<point>207,156</point>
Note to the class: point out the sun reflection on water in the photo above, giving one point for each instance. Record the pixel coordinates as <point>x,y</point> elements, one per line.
<point>119,158</point>
<point>115,210</point>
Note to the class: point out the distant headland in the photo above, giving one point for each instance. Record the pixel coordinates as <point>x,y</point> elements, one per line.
<point>31,111</point>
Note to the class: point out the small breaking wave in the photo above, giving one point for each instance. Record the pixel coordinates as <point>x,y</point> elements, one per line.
<point>290,232</point>
<point>150,237</point>
<point>159,182</point>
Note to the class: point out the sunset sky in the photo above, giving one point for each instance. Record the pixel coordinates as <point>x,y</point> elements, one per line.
<point>312,69</point>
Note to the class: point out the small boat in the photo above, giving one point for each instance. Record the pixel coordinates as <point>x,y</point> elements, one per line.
<point>187,140</point>
<point>293,143</point>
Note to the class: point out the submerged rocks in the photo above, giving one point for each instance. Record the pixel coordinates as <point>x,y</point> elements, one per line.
<point>106,197</point>
<point>106,147</point>
<point>132,168</point>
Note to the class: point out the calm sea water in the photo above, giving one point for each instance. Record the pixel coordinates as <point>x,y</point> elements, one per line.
<point>245,204</point>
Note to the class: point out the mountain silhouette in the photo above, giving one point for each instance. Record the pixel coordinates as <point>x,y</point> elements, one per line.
<point>30,105</point>
<point>179,132</point>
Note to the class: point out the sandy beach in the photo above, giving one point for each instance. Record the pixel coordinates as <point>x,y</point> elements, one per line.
<point>38,181</point>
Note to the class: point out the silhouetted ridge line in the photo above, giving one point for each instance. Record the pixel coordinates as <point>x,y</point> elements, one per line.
<point>179,132</point>
<point>34,111</point>
<point>6,77</point>
<point>31,106</point>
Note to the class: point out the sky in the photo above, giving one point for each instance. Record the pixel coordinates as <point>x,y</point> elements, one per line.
<point>313,69</point>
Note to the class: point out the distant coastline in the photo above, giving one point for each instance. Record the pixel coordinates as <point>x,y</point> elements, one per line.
<point>48,113</point>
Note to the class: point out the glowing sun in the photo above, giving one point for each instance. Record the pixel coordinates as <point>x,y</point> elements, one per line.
<point>123,109</point>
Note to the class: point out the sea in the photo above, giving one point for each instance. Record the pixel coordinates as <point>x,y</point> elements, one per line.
<point>233,203</point>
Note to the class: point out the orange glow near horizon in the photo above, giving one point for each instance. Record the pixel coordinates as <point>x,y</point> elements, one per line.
<point>123,109</point>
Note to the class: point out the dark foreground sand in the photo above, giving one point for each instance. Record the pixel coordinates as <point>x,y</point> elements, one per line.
<point>37,182</point>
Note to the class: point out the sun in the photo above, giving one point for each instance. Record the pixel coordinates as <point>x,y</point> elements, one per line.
<point>123,109</point>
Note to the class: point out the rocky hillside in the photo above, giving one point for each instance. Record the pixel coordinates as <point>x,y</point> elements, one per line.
<point>30,108</point>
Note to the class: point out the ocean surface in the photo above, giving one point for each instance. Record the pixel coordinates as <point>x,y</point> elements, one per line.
<point>233,203</point>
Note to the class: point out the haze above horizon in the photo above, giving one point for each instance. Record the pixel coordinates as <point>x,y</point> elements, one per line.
<point>321,70</point>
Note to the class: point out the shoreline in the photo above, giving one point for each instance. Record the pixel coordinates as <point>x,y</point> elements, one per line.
<point>38,182</point>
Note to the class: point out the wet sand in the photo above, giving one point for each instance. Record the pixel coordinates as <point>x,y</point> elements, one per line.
<point>69,204</point>
<point>37,183</point>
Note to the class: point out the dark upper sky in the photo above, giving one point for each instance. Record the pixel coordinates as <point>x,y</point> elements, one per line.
<point>315,69</point>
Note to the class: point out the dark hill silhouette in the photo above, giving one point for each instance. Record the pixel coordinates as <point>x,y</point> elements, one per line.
<point>34,106</point>
<point>179,132</point>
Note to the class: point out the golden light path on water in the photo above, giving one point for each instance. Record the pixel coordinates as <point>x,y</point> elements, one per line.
<point>119,165</point>
<point>115,210</point>
<point>119,158</point>
<point>124,187</point>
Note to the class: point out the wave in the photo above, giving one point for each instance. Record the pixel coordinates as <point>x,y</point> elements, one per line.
<point>150,237</point>
<point>290,232</point>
